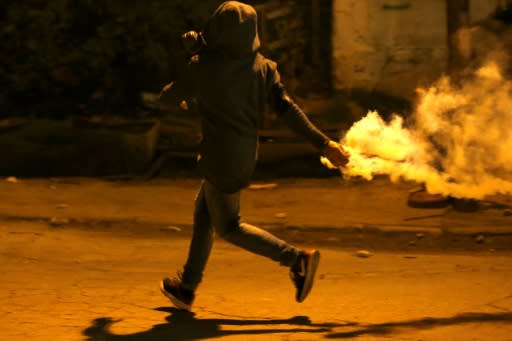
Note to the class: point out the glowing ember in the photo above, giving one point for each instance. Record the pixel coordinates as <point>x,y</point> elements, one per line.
<point>460,143</point>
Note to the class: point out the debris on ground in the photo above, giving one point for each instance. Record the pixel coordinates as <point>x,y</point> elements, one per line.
<point>262,186</point>
<point>465,205</point>
<point>58,221</point>
<point>421,198</point>
<point>480,239</point>
<point>12,180</point>
<point>363,254</point>
<point>171,228</point>
<point>281,215</point>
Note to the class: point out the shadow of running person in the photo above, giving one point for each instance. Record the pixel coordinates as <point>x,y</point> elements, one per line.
<point>182,325</point>
<point>388,328</point>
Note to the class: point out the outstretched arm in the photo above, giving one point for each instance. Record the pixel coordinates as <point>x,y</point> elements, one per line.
<point>299,122</point>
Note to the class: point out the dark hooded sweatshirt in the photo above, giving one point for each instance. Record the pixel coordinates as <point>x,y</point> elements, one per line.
<point>233,84</point>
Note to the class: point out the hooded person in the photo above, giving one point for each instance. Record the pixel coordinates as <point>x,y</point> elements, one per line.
<point>233,84</point>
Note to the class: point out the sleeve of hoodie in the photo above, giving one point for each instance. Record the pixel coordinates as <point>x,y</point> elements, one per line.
<point>286,108</point>
<point>183,88</point>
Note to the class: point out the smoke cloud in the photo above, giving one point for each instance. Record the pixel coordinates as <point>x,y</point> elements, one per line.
<point>458,142</point>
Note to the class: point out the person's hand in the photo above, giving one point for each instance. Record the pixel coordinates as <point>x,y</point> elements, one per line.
<point>336,155</point>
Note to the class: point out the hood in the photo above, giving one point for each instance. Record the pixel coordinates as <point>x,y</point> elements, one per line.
<point>233,29</point>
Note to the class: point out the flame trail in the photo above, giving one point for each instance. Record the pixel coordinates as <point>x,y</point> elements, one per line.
<point>460,142</point>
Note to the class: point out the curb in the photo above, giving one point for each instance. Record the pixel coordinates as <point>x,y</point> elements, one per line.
<point>132,224</point>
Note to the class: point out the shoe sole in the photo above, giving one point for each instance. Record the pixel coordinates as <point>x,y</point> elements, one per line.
<point>311,267</point>
<point>177,303</point>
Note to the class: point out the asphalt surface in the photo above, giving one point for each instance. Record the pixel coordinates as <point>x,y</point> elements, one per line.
<point>329,211</point>
<point>76,284</point>
<point>81,260</point>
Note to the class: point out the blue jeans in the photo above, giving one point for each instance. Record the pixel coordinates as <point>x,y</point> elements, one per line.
<point>219,212</point>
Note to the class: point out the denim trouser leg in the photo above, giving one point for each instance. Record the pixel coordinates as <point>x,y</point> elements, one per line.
<point>222,210</point>
<point>200,245</point>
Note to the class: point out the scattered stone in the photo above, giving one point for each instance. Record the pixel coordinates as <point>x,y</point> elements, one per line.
<point>363,254</point>
<point>52,187</point>
<point>410,257</point>
<point>171,228</point>
<point>420,235</point>
<point>412,242</point>
<point>262,186</point>
<point>61,206</point>
<point>12,180</point>
<point>507,212</point>
<point>480,239</point>
<point>56,221</point>
<point>492,250</point>
<point>281,215</point>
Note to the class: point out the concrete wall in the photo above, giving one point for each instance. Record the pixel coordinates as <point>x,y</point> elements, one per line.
<point>392,46</point>
<point>480,9</point>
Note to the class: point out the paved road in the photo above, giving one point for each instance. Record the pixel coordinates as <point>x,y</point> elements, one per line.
<point>332,211</point>
<point>78,284</point>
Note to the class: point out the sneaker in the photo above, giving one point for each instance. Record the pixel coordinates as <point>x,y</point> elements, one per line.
<point>179,296</point>
<point>303,273</point>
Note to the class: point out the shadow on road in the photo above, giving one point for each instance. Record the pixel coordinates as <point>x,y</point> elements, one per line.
<point>423,323</point>
<point>182,325</point>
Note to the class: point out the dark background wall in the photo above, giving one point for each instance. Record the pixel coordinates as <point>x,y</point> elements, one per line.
<point>95,57</point>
